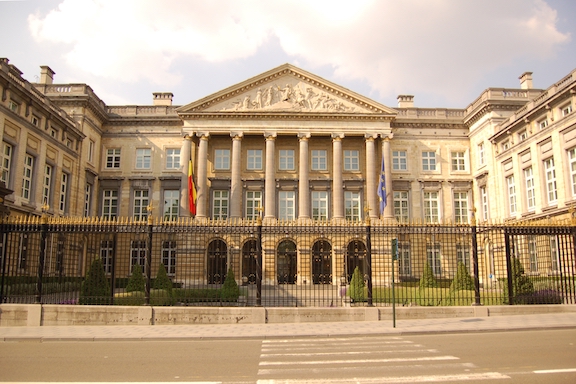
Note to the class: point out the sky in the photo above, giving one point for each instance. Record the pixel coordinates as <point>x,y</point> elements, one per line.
<point>443,52</point>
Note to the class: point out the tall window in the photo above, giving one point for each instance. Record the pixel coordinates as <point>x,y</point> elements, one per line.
<point>6,162</point>
<point>113,158</point>
<point>399,161</point>
<point>141,204</point>
<point>287,205</point>
<point>47,184</point>
<point>428,161</point>
<point>511,186</point>
<point>220,205</point>
<point>254,161</point>
<point>106,255</point>
<point>352,206</point>
<point>253,204</point>
<point>172,158</point>
<point>532,253</point>
<point>351,160</point>
<point>434,258</point>
<point>88,200</point>
<point>319,160</point>
<point>431,207</point>
<point>550,175</point>
<point>481,154</point>
<point>222,159</point>
<point>320,205</point>
<point>138,254</point>
<point>530,192</point>
<point>286,159</point>
<point>91,151</point>
<point>554,254</point>
<point>463,255</point>
<point>171,204</point>
<point>461,207</point>
<point>484,202</point>
<point>458,161</point>
<point>572,159</point>
<point>143,158</point>
<point>401,206</point>
<point>110,204</point>
<point>27,177</point>
<point>169,257</point>
<point>63,193</point>
<point>404,259</point>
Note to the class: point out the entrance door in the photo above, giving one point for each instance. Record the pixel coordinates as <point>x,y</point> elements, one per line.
<point>322,262</point>
<point>216,268</point>
<point>286,266</point>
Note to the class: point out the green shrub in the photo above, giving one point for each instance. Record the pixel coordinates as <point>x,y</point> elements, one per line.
<point>95,289</point>
<point>428,280</point>
<point>357,286</point>
<point>162,280</point>
<point>230,290</point>
<point>136,282</point>
<point>463,281</point>
<point>521,284</point>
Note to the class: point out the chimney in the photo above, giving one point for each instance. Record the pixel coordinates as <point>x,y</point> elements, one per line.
<point>526,80</point>
<point>162,98</point>
<point>405,101</point>
<point>46,75</point>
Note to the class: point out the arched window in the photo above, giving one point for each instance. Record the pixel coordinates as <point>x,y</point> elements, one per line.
<point>286,265</point>
<point>322,262</point>
<point>216,268</point>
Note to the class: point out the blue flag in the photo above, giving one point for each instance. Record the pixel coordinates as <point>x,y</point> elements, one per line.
<point>382,188</point>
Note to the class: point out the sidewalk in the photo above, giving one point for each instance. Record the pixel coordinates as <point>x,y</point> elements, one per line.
<point>267,331</point>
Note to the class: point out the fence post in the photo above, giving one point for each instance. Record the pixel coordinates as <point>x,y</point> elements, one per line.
<point>148,268</point>
<point>41,258</point>
<point>475,262</point>
<point>508,265</point>
<point>3,257</point>
<point>369,260</point>
<point>259,263</point>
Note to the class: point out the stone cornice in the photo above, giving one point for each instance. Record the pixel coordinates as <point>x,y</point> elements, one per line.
<point>487,108</point>
<point>284,116</point>
<point>438,125</point>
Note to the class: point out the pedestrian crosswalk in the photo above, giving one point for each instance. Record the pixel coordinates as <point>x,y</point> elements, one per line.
<point>361,360</point>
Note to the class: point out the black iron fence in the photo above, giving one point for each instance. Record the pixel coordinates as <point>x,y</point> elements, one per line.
<point>238,262</point>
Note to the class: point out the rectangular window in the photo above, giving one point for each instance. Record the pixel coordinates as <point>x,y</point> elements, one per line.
<point>35,121</point>
<point>221,159</point>
<point>171,204</point>
<point>88,200</point>
<point>6,162</point>
<point>253,204</point>
<point>286,205</point>
<point>550,176</point>
<point>143,158</point>
<point>554,254</point>
<point>286,160</point>
<point>522,135</point>
<point>352,206</point>
<point>434,258</point>
<point>113,158</point>
<point>399,161</point>
<point>566,110</point>
<point>138,254</point>
<point>511,186</point>
<point>481,154</point>
<point>91,151</point>
<point>404,258</point>
<point>505,145</point>
<point>458,161</point>
<point>47,184</point>
<point>543,123</point>
<point>461,207</point>
<point>23,251</point>
<point>428,161</point>
<point>173,158</point>
<point>320,205</point>
<point>13,106</point>
<point>532,253</point>
<point>530,191</point>
<point>27,177</point>
<point>431,207</point>
<point>351,160</point>
<point>319,160</point>
<point>141,204</point>
<point>169,257</point>
<point>63,193</point>
<point>220,205</point>
<point>110,204</point>
<point>463,255</point>
<point>401,206</point>
<point>572,160</point>
<point>254,160</point>
<point>106,254</point>
<point>484,202</point>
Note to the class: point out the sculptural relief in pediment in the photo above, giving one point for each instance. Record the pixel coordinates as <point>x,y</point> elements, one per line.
<point>287,94</point>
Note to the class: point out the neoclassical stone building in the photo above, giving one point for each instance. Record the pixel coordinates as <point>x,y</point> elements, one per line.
<point>301,147</point>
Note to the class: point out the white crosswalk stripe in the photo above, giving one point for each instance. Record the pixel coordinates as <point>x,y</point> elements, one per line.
<point>360,360</point>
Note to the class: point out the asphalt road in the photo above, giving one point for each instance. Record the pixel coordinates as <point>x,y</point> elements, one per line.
<point>515,357</point>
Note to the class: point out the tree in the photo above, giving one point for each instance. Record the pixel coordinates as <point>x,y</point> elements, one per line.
<point>463,281</point>
<point>230,290</point>
<point>95,288</point>
<point>136,282</point>
<point>428,280</point>
<point>162,280</point>
<point>357,286</point>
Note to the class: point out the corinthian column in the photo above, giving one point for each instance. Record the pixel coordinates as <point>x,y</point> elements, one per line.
<point>236,179</point>
<point>185,156</point>
<point>270,177</point>
<point>372,169</point>
<point>202,187</point>
<point>303,183</point>
<point>337,190</point>
<point>387,155</point>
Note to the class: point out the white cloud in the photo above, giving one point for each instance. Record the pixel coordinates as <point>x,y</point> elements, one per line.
<point>397,47</point>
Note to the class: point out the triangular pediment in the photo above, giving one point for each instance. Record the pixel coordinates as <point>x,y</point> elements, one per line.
<point>286,89</point>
